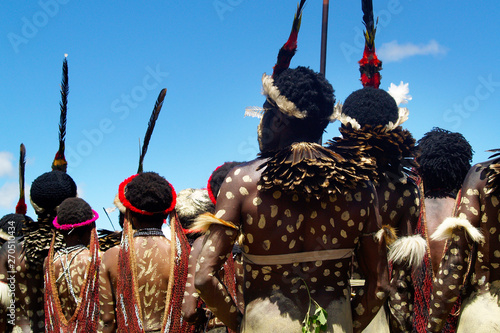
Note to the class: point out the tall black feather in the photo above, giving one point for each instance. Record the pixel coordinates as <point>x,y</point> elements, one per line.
<point>151,126</point>
<point>367,7</point>
<point>21,207</point>
<point>60,161</point>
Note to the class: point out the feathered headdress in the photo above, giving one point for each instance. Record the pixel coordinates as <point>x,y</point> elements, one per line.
<point>21,207</point>
<point>151,126</point>
<point>285,55</point>
<point>369,65</point>
<point>60,161</point>
<point>288,50</point>
<point>147,138</point>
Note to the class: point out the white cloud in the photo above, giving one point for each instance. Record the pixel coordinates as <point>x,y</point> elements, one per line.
<point>393,51</point>
<point>9,195</point>
<point>6,166</point>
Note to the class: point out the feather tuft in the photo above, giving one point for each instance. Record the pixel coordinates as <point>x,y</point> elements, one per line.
<point>203,222</point>
<point>151,126</point>
<point>446,228</point>
<point>409,249</point>
<point>254,112</point>
<point>388,233</point>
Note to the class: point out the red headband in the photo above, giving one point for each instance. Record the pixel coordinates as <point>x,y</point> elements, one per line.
<point>128,204</point>
<point>76,225</point>
<point>209,188</point>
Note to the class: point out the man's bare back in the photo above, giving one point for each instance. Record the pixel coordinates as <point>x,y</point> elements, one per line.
<point>153,271</point>
<point>276,223</point>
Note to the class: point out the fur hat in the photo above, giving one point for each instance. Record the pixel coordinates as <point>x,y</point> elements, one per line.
<point>50,189</point>
<point>191,203</point>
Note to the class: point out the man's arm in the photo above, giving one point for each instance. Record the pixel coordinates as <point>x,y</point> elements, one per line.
<point>217,247</point>
<point>106,293</point>
<point>190,310</point>
<point>461,233</point>
<point>372,259</point>
<point>406,254</point>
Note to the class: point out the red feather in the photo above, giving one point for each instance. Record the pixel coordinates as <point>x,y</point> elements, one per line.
<point>288,50</point>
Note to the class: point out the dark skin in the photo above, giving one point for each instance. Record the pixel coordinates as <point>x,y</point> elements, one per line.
<point>436,210</point>
<point>399,202</point>
<point>29,287</point>
<point>190,312</point>
<point>77,269</point>
<point>482,209</point>
<point>153,272</point>
<point>277,223</point>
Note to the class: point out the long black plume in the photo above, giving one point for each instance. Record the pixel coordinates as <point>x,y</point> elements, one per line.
<point>367,7</point>
<point>63,105</point>
<point>151,126</point>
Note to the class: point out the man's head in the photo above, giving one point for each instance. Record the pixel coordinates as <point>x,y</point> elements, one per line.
<point>371,106</point>
<point>444,160</point>
<point>217,177</point>
<point>49,190</point>
<point>75,217</point>
<point>148,198</point>
<point>12,224</point>
<point>298,108</point>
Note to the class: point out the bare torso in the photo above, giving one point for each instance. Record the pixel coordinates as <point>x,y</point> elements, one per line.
<point>436,210</point>
<point>153,271</point>
<point>76,263</point>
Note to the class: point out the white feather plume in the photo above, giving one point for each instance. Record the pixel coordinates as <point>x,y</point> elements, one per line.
<point>400,93</point>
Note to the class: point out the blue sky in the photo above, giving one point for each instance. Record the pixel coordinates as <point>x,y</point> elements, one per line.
<point>210,56</point>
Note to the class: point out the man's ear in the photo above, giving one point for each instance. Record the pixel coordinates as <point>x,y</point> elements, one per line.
<point>279,121</point>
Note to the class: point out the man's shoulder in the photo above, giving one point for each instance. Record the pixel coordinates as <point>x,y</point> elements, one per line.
<point>111,255</point>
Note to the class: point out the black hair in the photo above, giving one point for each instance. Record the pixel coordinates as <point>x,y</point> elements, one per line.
<point>371,106</point>
<point>219,175</point>
<point>51,188</point>
<point>310,92</point>
<point>13,224</point>
<point>73,210</point>
<point>444,159</point>
<point>149,192</point>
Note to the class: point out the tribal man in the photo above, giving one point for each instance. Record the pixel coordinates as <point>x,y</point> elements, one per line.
<point>371,122</point>
<point>72,272</point>
<point>444,158</point>
<point>232,273</point>
<point>471,261</point>
<point>303,211</point>
<point>47,192</point>
<point>142,281</point>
